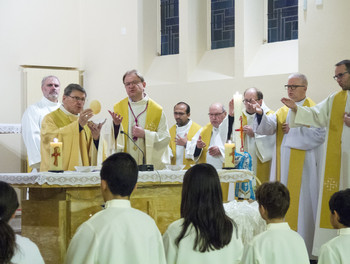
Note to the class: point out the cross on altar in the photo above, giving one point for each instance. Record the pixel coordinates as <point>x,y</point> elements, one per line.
<point>240,129</point>
<point>55,154</point>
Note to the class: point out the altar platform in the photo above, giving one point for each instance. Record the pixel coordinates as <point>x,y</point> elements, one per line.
<point>60,202</point>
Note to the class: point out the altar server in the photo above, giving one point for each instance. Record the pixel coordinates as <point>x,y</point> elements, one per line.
<point>279,243</point>
<point>119,233</point>
<point>14,248</point>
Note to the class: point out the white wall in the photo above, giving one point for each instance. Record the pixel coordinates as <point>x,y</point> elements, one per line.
<point>106,38</point>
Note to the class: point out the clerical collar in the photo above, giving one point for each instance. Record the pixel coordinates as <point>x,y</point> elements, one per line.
<point>142,101</point>
<point>47,101</point>
<point>300,102</point>
<point>64,110</point>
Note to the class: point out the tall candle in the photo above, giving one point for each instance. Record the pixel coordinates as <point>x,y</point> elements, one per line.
<point>229,155</point>
<point>238,135</point>
<point>56,155</point>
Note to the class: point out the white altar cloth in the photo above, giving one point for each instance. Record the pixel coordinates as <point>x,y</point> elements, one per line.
<point>93,178</point>
<point>10,128</point>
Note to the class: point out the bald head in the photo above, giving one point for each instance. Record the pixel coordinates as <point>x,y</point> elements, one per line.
<point>217,114</point>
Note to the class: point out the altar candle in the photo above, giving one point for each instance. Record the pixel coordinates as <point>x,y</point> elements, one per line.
<point>229,155</point>
<point>56,155</point>
<point>237,99</point>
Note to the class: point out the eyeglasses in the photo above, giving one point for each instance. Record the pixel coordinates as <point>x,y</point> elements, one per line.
<point>215,115</point>
<point>249,100</point>
<point>339,76</point>
<point>292,87</point>
<point>77,98</point>
<point>179,113</point>
<point>131,83</point>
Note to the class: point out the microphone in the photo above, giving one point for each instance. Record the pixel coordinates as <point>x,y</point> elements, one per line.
<point>144,166</point>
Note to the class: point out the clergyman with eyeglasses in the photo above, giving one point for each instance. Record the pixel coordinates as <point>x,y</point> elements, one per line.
<point>70,125</point>
<point>143,120</point>
<point>182,133</point>
<point>295,157</point>
<point>209,146</point>
<point>334,114</point>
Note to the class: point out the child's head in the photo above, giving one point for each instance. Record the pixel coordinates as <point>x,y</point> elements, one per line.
<point>274,198</point>
<point>120,172</point>
<point>339,204</point>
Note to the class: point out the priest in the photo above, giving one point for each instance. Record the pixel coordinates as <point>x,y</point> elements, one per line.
<point>143,120</point>
<point>182,133</point>
<point>260,147</point>
<point>34,115</point>
<point>70,125</point>
<point>334,114</point>
<point>296,157</point>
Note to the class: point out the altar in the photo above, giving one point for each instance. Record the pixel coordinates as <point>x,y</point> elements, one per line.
<point>60,202</point>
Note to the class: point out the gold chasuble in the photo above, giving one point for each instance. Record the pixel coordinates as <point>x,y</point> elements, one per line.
<point>191,132</point>
<point>333,156</point>
<point>78,147</point>
<point>206,136</point>
<point>296,164</point>
<point>153,115</point>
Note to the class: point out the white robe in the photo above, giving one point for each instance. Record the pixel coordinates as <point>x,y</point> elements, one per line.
<point>319,116</point>
<point>218,138</point>
<point>181,150</point>
<point>231,253</point>
<point>260,146</point>
<point>154,145</point>
<point>31,124</point>
<point>117,234</point>
<point>278,244</point>
<point>303,138</point>
<point>337,249</point>
<point>27,252</point>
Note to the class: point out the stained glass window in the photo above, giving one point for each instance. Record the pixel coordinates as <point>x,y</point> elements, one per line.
<point>282,20</point>
<point>222,24</point>
<point>169,27</point>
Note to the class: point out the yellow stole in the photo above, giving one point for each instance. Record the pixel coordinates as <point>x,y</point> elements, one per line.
<point>333,156</point>
<point>153,115</point>
<point>191,132</point>
<point>62,120</point>
<point>296,164</point>
<point>206,136</point>
<point>262,169</point>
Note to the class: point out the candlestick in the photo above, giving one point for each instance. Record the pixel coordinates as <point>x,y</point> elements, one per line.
<point>56,156</point>
<point>229,155</point>
<point>238,124</point>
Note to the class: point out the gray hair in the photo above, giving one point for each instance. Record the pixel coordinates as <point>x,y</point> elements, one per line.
<point>49,77</point>
<point>299,76</point>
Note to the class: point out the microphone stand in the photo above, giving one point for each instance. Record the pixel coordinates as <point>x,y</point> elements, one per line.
<point>144,166</point>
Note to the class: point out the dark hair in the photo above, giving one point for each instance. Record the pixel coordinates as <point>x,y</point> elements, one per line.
<point>120,171</point>
<point>274,196</point>
<point>340,202</point>
<point>134,72</point>
<point>346,63</point>
<point>73,87</point>
<point>188,109</point>
<point>259,94</point>
<point>201,206</point>
<point>8,206</point>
